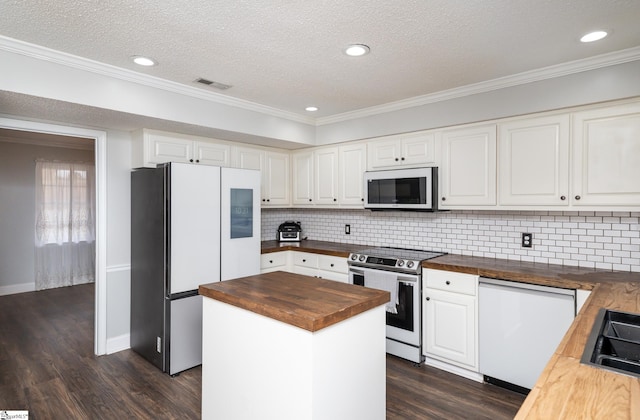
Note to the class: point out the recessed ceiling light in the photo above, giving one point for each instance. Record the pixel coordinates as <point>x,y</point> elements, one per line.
<point>593,36</point>
<point>311,108</point>
<point>143,61</point>
<point>356,50</point>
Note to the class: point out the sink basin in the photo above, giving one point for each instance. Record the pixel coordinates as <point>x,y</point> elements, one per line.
<point>614,343</point>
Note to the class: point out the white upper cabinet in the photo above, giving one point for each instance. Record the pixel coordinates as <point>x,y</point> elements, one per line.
<point>533,161</point>
<point>411,150</point>
<point>151,147</point>
<point>468,167</point>
<point>326,176</point>
<point>606,157</point>
<point>352,162</point>
<point>212,153</point>
<point>276,179</point>
<point>302,177</point>
<point>274,169</point>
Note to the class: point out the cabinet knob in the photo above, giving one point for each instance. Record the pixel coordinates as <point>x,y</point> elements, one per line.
<point>304,260</point>
<point>270,261</point>
<point>401,158</point>
<point>332,265</point>
<point>397,159</point>
<point>197,160</point>
<point>428,298</point>
<point>577,197</point>
<point>264,199</point>
<point>335,199</point>
<point>447,282</point>
<point>562,197</point>
<point>191,160</point>
<point>309,199</point>
<point>268,199</point>
<point>362,199</point>
<point>444,198</point>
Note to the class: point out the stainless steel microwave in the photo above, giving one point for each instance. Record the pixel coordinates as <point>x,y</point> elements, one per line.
<point>401,189</point>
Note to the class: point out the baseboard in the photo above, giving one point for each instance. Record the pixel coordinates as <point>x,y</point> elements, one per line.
<point>119,343</point>
<point>17,288</point>
<point>474,376</point>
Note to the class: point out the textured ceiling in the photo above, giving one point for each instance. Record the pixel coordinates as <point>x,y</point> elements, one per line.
<point>288,54</point>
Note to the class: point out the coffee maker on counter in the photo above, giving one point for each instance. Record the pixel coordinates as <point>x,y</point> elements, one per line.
<point>289,231</point>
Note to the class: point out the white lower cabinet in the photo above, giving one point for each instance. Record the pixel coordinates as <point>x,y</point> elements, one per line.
<point>333,268</point>
<point>450,318</point>
<point>306,263</point>
<point>274,261</point>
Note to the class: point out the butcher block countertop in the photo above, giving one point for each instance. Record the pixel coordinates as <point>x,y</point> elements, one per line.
<point>302,301</point>
<point>566,389</point>
<point>317,247</point>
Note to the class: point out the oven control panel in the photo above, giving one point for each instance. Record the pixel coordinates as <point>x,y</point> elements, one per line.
<point>372,261</point>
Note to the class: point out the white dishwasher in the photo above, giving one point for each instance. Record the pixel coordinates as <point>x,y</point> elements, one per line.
<point>520,326</point>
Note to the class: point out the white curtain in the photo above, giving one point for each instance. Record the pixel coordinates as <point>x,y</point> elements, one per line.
<point>65,224</point>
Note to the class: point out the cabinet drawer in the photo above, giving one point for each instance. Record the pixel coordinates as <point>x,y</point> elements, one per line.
<point>304,259</point>
<point>336,264</point>
<point>273,259</point>
<point>451,281</point>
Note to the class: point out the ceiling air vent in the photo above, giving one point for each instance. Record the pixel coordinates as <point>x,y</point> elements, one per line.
<point>216,85</point>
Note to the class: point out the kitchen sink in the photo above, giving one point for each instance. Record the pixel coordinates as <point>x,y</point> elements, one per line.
<point>614,342</point>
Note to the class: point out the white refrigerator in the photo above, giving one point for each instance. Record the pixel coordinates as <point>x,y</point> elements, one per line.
<point>190,225</point>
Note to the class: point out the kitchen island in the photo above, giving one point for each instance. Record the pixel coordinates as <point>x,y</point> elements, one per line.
<point>282,345</point>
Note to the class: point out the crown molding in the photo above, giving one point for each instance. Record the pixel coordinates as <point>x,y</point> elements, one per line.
<point>559,70</point>
<point>85,64</point>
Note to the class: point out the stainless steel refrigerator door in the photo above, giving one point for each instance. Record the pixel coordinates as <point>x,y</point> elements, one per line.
<point>185,333</point>
<point>194,248</point>
<point>240,223</point>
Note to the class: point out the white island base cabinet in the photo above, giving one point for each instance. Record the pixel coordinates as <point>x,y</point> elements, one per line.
<point>255,367</point>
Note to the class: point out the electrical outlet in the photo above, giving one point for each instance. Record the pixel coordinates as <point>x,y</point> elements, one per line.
<point>347,229</point>
<point>527,240</point>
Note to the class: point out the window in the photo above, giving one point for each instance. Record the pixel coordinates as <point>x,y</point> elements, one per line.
<point>65,203</point>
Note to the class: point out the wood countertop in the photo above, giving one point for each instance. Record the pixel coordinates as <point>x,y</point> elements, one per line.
<point>566,388</point>
<point>302,301</point>
<point>563,276</point>
<point>317,247</point>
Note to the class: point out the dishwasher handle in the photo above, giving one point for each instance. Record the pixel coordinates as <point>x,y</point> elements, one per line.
<point>527,286</point>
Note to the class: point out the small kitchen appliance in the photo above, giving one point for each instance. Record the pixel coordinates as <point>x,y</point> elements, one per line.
<point>398,271</point>
<point>289,231</point>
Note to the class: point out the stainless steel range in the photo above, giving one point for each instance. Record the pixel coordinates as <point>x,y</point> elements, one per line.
<point>399,272</point>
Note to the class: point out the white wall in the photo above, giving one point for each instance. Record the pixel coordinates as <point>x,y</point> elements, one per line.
<point>603,84</point>
<point>17,209</point>
<point>603,240</point>
<point>118,239</point>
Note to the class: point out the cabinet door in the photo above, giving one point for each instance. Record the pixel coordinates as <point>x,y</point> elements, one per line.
<point>352,161</point>
<point>418,150</point>
<point>534,161</point>
<point>276,179</point>
<point>449,327</point>
<point>606,157</point>
<point>212,154</point>
<point>384,153</point>
<point>302,178</point>
<point>161,148</point>
<point>326,176</point>
<point>250,158</point>
<point>274,261</point>
<point>468,175</point>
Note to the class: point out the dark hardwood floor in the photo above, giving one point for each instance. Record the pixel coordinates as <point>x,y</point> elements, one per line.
<point>47,366</point>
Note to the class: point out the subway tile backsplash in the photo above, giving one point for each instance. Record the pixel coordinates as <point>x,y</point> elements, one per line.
<point>607,240</point>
